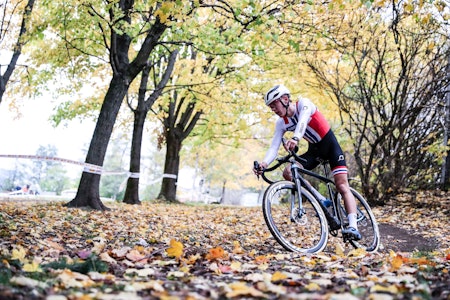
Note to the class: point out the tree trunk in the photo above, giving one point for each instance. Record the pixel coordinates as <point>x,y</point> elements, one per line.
<point>171,167</point>
<point>17,48</point>
<point>222,197</point>
<point>445,176</point>
<point>132,191</point>
<point>88,193</point>
<point>140,113</point>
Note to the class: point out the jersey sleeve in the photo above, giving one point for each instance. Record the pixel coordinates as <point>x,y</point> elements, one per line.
<point>305,109</point>
<point>276,142</point>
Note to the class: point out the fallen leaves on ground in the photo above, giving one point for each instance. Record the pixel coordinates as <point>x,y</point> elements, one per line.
<point>181,251</point>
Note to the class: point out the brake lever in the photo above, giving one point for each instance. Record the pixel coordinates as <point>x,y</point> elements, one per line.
<point>283,140</point>
<point>256,166</point>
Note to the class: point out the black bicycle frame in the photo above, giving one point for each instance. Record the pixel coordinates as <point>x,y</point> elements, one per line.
<point>301,182</point>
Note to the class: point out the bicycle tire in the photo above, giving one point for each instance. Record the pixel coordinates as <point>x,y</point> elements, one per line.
<point>367,224</point>
<point>307,233</point>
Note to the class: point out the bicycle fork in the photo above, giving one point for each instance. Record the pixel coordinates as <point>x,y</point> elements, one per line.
<point>296,214</point>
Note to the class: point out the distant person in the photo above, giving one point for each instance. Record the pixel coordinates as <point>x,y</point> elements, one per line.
<point>35,189</point>
<point>26,189</point>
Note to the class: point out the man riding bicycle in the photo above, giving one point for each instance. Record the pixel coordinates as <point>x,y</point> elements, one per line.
<point>304,119</point>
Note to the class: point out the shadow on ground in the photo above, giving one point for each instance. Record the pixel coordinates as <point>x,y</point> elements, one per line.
<point>399,239</point>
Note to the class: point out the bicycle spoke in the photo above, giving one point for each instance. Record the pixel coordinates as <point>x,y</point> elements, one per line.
<point>362,218</point>
<point>305,231</point>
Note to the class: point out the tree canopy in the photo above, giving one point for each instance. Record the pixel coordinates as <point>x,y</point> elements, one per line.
<point>382,64</point>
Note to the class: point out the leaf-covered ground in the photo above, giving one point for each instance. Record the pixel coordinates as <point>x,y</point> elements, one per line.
<point>163,251</point>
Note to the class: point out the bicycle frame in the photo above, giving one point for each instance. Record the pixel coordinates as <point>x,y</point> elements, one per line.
<point>336,218</point>
<point>302,182</point>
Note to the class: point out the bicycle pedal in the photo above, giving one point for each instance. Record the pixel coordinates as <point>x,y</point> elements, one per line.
<point>346,238</point>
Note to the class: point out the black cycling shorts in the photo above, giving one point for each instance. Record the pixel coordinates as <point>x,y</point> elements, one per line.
<point>327,149</point>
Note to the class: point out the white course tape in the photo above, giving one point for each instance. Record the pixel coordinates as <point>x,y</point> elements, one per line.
<point>47,158</point>
<point>88,168</point>
<point>173,176</point>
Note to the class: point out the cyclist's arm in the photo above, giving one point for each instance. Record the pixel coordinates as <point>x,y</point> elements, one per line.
<point>271,154</point>
<point>305,110</point>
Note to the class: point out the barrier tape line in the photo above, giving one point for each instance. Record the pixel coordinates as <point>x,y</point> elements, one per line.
<point>88,168</point>
<point>173,176</point>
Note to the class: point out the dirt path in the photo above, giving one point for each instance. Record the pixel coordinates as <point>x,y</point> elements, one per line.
<point>415,222</point>
<point>399,239</point>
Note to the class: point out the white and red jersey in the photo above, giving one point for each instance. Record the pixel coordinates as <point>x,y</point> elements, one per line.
<point>307,122</point>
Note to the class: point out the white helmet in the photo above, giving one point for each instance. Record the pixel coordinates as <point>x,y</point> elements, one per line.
<point>275,93</point>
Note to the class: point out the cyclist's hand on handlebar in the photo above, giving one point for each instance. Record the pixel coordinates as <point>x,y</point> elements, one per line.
<point>291,145</point>
<point>258,168</point>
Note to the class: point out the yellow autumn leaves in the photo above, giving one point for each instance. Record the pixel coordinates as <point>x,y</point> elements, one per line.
<point>398,261</point>
<point>149,247</point>
<point>19,254</point>
<point>175,249</point>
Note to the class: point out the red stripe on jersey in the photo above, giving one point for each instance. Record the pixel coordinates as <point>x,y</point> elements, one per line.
<point>319,124</point>
<point>339,170</point>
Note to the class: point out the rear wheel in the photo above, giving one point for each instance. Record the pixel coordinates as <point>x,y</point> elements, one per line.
<point>367,225</point>
<point>307,231</point>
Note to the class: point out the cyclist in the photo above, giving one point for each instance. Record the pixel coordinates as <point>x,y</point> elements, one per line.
<point>305,121</point>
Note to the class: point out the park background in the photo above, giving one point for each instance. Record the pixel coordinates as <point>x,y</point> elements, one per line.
<point>164,86</point>
<point>181,91</point>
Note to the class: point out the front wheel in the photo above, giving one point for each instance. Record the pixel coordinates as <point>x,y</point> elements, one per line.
<point>307,230</point>
<point>367,225</point>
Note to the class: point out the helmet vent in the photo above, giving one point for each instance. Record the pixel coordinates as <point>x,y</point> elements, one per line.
<point>275,93</point>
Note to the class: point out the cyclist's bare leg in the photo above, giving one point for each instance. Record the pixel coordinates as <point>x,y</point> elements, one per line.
<point>343,188</point>
<point>287,174</point>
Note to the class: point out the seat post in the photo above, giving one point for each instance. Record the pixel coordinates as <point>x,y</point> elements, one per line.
<point>326,167</point>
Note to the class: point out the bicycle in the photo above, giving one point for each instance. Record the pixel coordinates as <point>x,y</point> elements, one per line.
<point>300,222</point>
